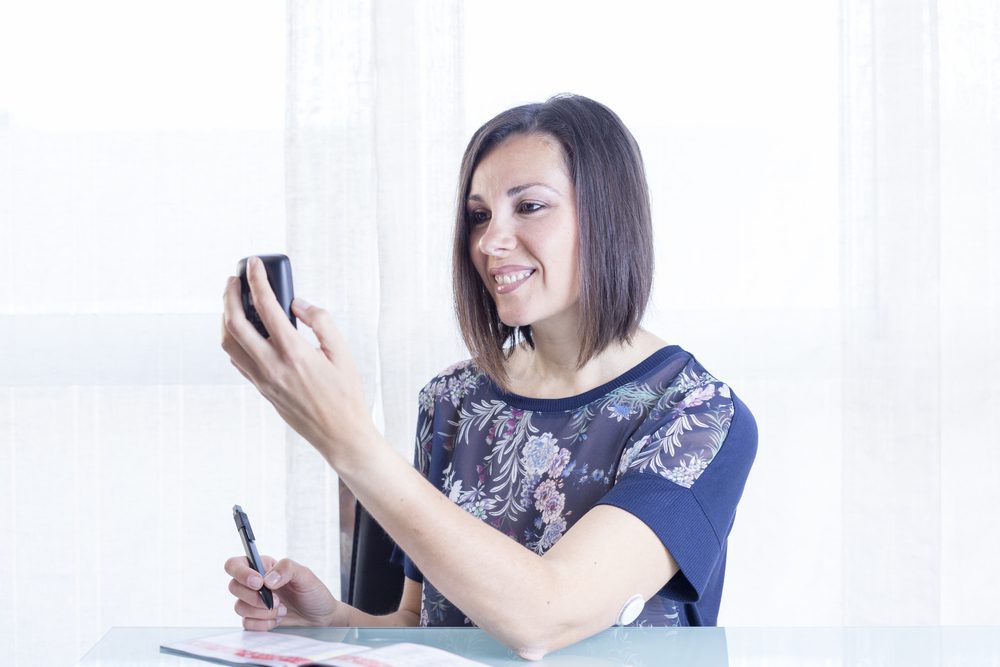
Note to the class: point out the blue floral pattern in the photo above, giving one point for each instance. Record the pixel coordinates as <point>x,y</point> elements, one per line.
<point>532,467</point>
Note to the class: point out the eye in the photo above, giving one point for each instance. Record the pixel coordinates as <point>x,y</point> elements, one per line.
<point>478,216</point>
<point>529,207</point>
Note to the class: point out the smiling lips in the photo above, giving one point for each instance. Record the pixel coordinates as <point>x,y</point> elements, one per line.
<point>509,280</point>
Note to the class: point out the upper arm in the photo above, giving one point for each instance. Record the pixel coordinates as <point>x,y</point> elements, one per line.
<point>409,601</point>
<point>608,556</point>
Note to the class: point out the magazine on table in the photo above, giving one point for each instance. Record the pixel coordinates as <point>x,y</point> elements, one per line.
<point>272,649</point>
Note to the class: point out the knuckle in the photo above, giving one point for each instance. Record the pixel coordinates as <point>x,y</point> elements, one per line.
<point>296,359</point>
<point>282,378</point>
<point>268,388</point>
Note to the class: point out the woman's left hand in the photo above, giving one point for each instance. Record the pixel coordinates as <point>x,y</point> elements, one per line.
<point>316,391</point>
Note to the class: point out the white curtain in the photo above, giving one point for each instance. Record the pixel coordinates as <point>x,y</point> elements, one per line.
<point>374,142</point>
<point>891,278</point>
<point>921,299</point>
<point>138,162</point>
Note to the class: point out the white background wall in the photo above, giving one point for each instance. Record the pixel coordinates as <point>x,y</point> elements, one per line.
<point>143,151</point>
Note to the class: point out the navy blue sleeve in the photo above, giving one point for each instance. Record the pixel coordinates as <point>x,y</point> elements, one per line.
<point>685,482</point>
<point>409,569</point>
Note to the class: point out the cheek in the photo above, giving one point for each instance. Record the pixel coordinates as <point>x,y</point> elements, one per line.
<point>477,259</point>
<point>475,235</point>
<point>563,253</point>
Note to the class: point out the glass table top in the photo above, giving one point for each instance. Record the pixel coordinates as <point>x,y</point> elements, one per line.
<point>695,647</point>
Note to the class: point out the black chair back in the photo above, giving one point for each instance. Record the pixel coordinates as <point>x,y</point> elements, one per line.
<point>376,584</point>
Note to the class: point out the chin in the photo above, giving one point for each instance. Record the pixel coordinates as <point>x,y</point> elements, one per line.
<point>515,319</point>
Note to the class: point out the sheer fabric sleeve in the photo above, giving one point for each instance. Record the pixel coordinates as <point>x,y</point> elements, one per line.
<point>421,461</point>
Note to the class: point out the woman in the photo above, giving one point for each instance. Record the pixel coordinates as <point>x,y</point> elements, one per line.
<point>578,470</point>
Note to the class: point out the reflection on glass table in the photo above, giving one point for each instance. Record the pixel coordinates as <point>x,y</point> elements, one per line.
<point>640,647</point>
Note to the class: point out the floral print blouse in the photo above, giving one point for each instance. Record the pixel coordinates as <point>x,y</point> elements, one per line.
<point>665,441</point>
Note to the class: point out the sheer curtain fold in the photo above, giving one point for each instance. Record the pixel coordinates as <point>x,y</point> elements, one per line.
<point>969,42</point>
<point>125,437</point>
<point>373,144</point>
<point>920,168</point>
<point>891,313</point>
<point>330,193</point>
<point>419,144</point>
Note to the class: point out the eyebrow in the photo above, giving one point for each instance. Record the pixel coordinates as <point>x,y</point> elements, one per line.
<point>518,189</point>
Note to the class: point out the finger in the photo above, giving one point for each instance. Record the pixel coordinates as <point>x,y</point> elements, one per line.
<point>300,307</point>
<point>250,596</point>
<point>282,573</point>
<point>331,341</point>
<point>239,569</point>
<point>239,329</point>
<point>238,356</point>
<point>271,313</point>
<point>250,612</point>
<point>259,626</point>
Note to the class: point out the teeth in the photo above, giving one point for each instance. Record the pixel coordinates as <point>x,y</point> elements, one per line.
<point>508,278</point>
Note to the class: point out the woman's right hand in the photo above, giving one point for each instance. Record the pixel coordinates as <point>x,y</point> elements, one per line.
<point>300,598</point>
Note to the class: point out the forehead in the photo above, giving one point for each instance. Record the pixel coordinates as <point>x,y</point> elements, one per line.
<point>522,158</point>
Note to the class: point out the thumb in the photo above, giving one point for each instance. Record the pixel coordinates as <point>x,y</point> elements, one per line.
<point>288,572</point>
<point>281,573</point>
<point>301,308</point>
<point>330,339</point>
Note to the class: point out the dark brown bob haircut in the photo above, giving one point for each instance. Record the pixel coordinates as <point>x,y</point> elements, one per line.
<point>615,229</point>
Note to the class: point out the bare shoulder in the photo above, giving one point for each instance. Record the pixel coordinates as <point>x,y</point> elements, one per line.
<point>643,345</point>
<point>646,343</point>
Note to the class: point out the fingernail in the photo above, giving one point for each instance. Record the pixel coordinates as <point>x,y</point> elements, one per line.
<point>303,304</point>
<point>272,578</point>
<point>254,581</point>
<point>282,610</point>
<point>255,261</point>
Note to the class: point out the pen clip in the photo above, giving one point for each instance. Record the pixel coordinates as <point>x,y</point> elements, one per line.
<point>242,522</point>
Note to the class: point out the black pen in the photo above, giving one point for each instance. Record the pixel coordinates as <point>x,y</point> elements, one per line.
<point>250,546</point>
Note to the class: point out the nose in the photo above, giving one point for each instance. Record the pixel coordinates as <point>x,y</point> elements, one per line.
<point>499,238</point>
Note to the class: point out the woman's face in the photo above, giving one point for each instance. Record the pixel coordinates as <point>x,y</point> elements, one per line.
<point>523,235</point>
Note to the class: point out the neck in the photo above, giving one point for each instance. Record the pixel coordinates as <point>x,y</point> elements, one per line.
<point>550,369</point>
<point>554,356</point>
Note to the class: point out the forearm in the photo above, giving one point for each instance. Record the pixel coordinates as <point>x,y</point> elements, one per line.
<point>400,618</point>
<point>516,603</point>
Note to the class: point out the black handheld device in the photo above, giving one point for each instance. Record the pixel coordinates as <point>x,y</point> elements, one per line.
<point>250,546</point>
<point>279,276</point>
